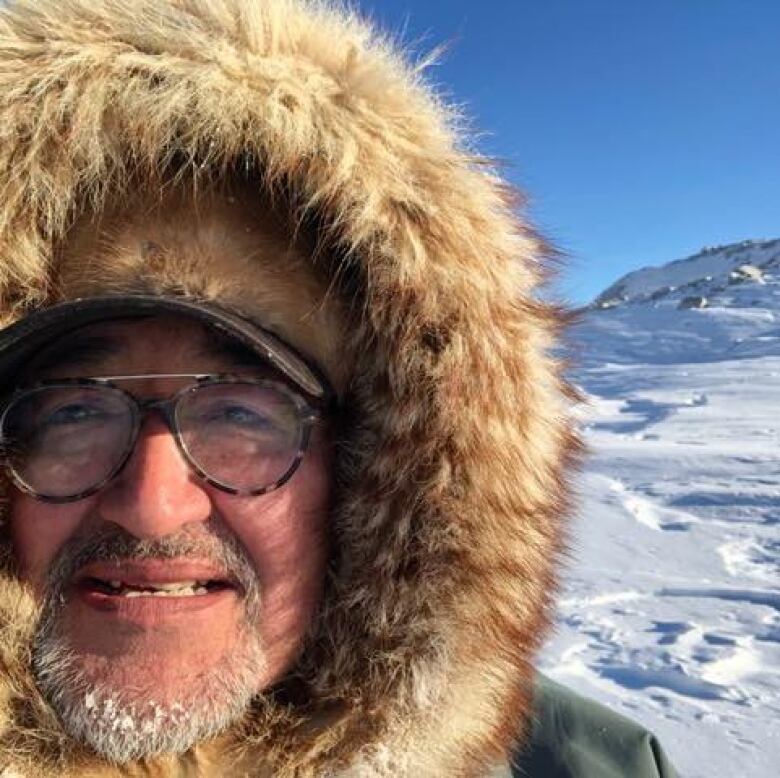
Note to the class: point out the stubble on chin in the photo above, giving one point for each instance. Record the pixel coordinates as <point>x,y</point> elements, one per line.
<point>101,704</point>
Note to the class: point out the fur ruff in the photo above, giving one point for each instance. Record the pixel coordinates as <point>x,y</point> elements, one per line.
<point>448,522</point>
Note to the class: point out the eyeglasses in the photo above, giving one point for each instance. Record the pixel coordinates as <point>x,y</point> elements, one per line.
<point>65,440</point>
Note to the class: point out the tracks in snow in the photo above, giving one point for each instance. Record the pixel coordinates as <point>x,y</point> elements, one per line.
<point>671,607</point>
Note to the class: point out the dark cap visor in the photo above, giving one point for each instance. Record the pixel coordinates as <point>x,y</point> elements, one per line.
<point>21,340</point>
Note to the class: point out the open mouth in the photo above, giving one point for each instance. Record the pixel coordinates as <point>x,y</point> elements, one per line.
<point>119,588</point>
<point>137,578</point>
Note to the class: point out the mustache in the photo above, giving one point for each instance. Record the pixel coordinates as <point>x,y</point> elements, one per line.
<point>210,541</point>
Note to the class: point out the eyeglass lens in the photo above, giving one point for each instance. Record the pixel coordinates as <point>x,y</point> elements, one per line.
<point>243,435</point>
<point>64,441</point>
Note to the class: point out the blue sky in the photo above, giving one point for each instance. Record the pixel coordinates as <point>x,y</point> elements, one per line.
<point>642,129</point>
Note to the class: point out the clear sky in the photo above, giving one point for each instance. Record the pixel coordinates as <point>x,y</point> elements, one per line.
<point>642,129</point>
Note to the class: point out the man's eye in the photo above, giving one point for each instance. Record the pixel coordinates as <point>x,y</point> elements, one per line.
<point>240,416</point>
<point>75,413</point>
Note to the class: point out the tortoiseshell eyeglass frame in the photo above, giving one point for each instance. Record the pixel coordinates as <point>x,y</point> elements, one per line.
<point>308,413</point>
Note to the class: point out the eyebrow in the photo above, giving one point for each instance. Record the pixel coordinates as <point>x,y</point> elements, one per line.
<point>76,352</point>
<point>238,354</point>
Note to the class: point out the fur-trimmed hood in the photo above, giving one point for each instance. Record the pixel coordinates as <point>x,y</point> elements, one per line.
<point>452,464</point>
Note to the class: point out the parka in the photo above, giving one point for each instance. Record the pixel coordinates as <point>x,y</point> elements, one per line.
<point>419,297</point>
<point>574,737</point>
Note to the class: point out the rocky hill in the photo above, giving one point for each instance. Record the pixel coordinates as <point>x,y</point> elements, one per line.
<point>719,275</point>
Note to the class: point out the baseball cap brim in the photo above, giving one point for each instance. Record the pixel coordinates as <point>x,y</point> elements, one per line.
<point>21,340</point>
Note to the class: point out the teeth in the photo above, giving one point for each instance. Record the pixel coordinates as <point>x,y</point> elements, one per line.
<point>184,591</point>
<point>169,587</point>
<point>175,589</point>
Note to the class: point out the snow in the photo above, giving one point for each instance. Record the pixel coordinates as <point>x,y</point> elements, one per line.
<point>695,274</point>
<point>670,609</point>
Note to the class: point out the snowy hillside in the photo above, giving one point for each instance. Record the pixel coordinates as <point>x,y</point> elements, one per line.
<point>670,612</point>
<point>708,276</point>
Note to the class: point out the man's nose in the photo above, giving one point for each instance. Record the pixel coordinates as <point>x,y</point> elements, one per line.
<point>156,494</point>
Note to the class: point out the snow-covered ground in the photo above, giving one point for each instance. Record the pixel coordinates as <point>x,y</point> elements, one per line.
<point>670,612</point>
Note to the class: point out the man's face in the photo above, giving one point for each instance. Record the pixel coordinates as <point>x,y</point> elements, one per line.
<point>136,670</point>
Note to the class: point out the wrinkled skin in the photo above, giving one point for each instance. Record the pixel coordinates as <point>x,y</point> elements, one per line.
<point>158,496</point>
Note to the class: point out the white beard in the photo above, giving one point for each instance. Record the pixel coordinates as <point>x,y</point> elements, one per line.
<point>123,724</point>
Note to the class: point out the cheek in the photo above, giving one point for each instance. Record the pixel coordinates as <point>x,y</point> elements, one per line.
<point>38,531</point>
<point>285,533</point>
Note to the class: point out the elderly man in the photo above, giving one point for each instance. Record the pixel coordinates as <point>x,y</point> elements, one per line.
<point>285,450</point>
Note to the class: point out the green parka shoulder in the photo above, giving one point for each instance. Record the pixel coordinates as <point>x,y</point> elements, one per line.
<point>576,737</point>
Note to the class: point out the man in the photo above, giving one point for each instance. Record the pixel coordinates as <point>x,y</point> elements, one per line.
<point>285,449</point>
